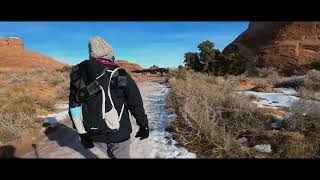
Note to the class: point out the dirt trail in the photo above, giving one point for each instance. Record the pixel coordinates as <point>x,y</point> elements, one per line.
<point>62,141</point>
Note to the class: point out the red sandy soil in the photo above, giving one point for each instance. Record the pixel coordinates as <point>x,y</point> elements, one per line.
<point>245,85</point>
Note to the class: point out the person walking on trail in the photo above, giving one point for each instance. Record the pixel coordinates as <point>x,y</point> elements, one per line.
<point>101,94</point>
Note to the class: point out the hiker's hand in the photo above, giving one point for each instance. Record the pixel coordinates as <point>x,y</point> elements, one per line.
<point>86,142</point>
<point>143,133</point>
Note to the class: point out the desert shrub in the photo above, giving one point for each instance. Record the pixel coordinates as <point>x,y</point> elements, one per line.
<point>304,112</point>
<point>18,77</point>
<point>55,77</point>
<point>308,86</point>
<point>6,135</point>
<point>267,79</point>
<point>268,73</point>
<point>265,72</point>
<point>62,88</point>
<point>292,82</point>
<point>39,69</point>
<point>308,93</point>
<point>304,121</point>
<point>180,72</point>
<point>18,111</point>
<point>211,118</point>
<point>65,68</point>
<point>262,85</point>
<point>312,80</point>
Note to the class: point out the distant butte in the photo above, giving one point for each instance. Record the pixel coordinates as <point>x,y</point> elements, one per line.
<point>14,55</point>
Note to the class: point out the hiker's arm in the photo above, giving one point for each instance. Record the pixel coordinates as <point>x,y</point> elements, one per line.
<point>135,103</point>
<point>72,100</point>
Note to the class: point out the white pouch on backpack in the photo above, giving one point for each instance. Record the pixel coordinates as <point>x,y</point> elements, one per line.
<point>112,118</point>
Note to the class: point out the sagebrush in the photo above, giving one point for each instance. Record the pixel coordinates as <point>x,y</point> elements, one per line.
<point>210,119</point>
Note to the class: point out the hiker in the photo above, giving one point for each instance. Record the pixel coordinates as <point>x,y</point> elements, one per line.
<point>101,94</point>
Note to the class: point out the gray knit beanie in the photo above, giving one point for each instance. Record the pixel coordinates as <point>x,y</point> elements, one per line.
<point>99,48</point>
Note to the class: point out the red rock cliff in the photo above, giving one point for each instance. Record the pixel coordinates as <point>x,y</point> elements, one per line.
<point>13,55</point>
<point>287,46</point>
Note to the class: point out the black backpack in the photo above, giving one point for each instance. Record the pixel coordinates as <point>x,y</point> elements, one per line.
<point>95,112</point>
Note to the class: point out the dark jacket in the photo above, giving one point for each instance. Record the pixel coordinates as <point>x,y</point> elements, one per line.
<point>127,93</point>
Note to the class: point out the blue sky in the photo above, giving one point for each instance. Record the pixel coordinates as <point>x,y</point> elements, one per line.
<point>145,43</point>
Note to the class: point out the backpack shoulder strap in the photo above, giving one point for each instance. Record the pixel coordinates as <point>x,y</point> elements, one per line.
<point>109,93</point>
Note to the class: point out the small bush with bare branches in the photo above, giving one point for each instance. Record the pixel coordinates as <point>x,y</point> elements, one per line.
<point>62,88</point>
<point>211,117</point>
<point>305,122</point>
<point>18,112</point>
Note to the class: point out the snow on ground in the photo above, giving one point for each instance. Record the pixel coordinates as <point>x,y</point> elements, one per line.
<point>64,142</point>
<point>163,144</point>
<point>54,118</point>
<point>273,100</point>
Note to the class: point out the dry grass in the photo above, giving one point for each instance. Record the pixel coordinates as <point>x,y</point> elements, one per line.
<point>26,94</point>
<point>305,121</point>
<point>66,68</point>
<point>62,87</point>
<point>269,73</point>
<point>211,118</point>
<point>308,94</point>
<point>308,87</point>
<point>267,78</point>
<point>39,74</point>
<point>136,76</point>
<point>18,111</point>
<point>18,77</point>
<point>262,85</point>
<point>311,81</point>
<point>304,112</point>
<point>265,85</point>
<point>62,90</point>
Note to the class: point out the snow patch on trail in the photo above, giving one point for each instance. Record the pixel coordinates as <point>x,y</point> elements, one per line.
<point>54,118</point>
<point>163,144</point>
<point>160,143</point>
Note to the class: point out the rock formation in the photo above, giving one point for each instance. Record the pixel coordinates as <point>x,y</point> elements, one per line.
<point>14,56</point>
<point>290,47</point>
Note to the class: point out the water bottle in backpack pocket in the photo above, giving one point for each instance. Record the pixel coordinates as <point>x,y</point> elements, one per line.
<point>77,118</point>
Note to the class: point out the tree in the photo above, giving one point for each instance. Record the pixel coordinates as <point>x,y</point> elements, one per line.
<point>207,53</point>
<point>222,65</point>
<point>243,60</point>
<point>208,60</point>
<point>192,61</point>
<point>180,67</point>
